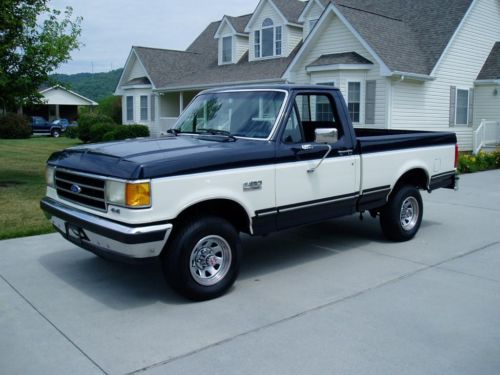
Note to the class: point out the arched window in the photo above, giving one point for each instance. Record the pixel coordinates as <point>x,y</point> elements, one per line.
<point>267,41</point>
<point>267,23</point>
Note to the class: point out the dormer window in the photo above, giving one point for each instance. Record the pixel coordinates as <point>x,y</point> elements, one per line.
<point>268,40</point>
<point>227,49</point>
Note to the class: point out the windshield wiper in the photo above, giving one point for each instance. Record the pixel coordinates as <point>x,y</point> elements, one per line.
<point>216,132</point>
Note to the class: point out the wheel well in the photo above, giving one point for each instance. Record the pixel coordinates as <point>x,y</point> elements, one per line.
<point>225,208</point>
<point>415,177</point>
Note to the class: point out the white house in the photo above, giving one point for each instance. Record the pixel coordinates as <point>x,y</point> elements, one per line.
<point>59,102</point>
<point>401,64</point>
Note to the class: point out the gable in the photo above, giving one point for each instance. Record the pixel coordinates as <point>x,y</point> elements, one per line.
<point>265,9</point>
<point>61,96</point>
<point>136,70</point>
<point>331,36</point>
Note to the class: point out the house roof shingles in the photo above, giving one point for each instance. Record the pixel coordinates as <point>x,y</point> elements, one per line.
<point>239,23</point>
<point>340,58</point>
<point>491,68</point>
<point>291,9</point>
<point>408,35</point>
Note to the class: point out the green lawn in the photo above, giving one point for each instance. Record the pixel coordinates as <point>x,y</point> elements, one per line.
<point>22,184</point>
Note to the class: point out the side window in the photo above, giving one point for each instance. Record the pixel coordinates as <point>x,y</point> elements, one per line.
<point>316,111</point>
<point>293,129</point>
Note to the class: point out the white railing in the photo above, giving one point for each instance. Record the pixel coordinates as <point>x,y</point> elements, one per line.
<point>486,134</point>
<point>166,123</point>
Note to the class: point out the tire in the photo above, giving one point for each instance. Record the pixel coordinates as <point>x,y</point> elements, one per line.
<point>55,133</point>
<point>400,219</point>
<point>202,260</point>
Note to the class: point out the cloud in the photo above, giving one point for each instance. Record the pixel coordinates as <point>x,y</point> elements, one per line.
<point>111,27</point>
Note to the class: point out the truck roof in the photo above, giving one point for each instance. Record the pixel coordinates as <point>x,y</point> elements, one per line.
<point>286,87</point>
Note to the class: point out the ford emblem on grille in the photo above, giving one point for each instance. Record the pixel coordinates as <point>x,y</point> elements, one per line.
<point>76,189</point>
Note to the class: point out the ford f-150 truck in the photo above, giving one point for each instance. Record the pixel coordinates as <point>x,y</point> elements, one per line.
<point>252,159</point>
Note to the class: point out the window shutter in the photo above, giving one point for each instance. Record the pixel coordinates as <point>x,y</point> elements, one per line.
<point>471,107</point>
<point>453,96</point>
<point>153,107</point>
<point>371,88</point>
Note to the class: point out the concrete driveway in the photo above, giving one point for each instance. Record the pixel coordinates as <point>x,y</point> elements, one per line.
<point>329,298</point>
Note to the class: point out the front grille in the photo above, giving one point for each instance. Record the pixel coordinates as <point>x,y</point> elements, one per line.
<point>90,193</point>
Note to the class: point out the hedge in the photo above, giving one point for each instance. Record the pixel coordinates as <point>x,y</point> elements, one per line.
<point>14,126</point>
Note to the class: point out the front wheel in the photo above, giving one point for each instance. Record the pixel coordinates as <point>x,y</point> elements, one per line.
<point>400,219</point>
<point>55,133</point>
<point>202,261</point>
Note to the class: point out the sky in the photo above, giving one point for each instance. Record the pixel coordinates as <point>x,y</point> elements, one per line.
<point>111,27</point>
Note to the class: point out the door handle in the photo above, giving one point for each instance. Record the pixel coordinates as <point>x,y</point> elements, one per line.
<point>344,152</point>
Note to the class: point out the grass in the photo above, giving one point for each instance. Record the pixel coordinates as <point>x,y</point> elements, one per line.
<point>22,184</point>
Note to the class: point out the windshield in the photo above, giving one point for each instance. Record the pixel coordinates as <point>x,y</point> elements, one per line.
<point>249,114</point>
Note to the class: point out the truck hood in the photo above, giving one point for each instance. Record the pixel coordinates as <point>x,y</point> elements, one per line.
<point>163,157</point>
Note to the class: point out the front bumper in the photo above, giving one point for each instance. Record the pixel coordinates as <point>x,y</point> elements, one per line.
<point>106,237</point>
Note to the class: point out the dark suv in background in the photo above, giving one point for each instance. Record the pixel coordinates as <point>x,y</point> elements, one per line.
<point>55,128</point>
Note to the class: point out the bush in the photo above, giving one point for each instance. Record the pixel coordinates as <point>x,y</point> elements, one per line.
<point>72,132</point>
<point>87,120</point>
<point>121,132</point>
<point>483,161</point>
<point>14,126</point>
<point>97,131</point>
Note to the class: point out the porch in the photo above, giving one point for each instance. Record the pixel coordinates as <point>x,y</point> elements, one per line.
<point>169,106</point>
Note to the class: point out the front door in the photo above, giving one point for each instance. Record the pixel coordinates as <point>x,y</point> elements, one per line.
<point>305,194</point>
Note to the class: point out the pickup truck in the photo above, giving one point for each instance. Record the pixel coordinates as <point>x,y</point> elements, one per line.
<point>253,160</point>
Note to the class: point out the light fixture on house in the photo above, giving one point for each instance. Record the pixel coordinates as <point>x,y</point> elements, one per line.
<point>495,92</point>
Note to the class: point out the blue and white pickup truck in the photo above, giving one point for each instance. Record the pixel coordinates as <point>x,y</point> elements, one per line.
<point>246,159</point>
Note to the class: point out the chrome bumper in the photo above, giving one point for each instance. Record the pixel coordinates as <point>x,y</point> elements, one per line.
<point>104,236</point>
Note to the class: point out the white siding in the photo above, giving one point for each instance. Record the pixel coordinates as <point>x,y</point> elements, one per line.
<point>487,104</point>
<point>426,105</point>
<point>292,37</point>
<point>136,71</point>
<point>312,14</point>
<point>240,47</point>
<point>334,37</point>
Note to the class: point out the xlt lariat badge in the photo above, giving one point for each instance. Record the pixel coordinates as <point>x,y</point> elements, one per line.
<point>252,185</point>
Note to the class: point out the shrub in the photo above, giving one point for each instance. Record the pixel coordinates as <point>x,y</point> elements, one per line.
<point>72,132</point>
<point>97,131</point>
<point>483,161</point>
<point>14,126</point>
<point>87,120</point>
<point>121,132</point>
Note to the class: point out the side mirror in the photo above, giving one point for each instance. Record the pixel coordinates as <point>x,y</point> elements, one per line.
<point>326,135</point>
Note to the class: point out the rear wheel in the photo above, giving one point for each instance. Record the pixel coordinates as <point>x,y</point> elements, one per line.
<point>202,261</point>
<point>400,219</point>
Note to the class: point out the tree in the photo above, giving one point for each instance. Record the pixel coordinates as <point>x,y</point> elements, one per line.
<point>34,40</point>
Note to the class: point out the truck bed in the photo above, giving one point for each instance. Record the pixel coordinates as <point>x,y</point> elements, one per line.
<point>378,140</point>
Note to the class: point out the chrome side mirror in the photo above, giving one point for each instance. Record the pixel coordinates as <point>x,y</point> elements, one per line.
<point>326,135</point>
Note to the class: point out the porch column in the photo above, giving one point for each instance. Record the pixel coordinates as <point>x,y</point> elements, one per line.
<point>57,111</point>
<point>181,102</point>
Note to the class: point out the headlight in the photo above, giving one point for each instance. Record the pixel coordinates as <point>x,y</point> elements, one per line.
<point>49,176</point>
<point>128,194</point>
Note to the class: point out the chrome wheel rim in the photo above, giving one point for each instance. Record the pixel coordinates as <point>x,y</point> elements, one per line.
<point>410,212</point>
<point>210,260</point>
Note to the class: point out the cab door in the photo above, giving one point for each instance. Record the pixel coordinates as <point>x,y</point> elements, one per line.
<point>306,192</point>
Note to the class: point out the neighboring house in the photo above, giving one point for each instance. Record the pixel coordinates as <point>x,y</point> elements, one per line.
<point>401,64</point>
<point>59,102</point>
